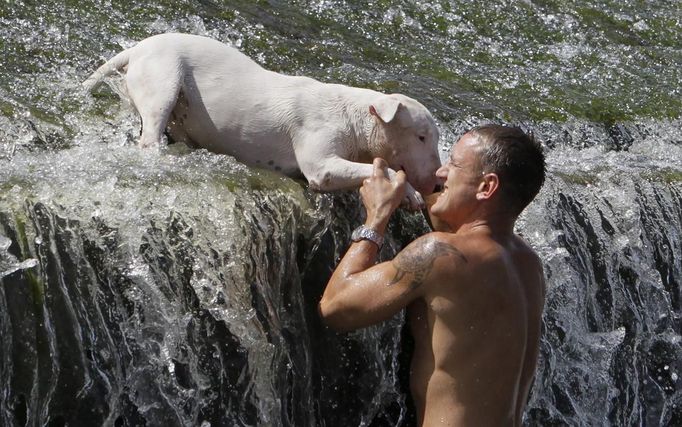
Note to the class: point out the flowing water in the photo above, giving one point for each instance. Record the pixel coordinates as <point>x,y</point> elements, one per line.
<point>180,287</point>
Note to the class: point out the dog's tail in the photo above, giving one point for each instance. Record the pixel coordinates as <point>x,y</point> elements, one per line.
<point>115,64</point>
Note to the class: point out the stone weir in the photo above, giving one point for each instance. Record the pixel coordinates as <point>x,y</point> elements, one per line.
<point>146,289</point>
<point>182,289</point>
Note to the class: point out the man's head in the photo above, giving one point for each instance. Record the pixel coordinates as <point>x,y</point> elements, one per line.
<point>516,158</point>
<point>490,163</point>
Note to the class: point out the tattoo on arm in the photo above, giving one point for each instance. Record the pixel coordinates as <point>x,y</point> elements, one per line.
<point>417,260</point>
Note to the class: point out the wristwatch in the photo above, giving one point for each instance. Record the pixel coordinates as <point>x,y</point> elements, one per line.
<point>366,233</point>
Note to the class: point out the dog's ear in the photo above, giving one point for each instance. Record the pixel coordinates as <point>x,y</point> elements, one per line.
<point>386,108</point>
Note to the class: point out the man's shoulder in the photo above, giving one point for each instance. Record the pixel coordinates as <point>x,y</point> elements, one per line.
<point>523,249</point>
<point>429,251</point>
<point>438,244</point>
<point>470,245</point>
<point>438,253</point>
<point>481,252</point>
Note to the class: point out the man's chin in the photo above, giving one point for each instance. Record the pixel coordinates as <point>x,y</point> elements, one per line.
<point>432,199</point>
<point>433,210</point>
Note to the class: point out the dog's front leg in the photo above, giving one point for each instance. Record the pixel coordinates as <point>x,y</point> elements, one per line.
<point>331,172</point>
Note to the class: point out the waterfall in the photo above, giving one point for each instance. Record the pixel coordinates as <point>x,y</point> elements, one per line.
<point>611,351</point>
<point>178,296</point>
<point>179,287</point>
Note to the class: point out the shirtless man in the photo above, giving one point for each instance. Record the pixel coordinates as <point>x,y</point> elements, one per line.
<point>474,292</point>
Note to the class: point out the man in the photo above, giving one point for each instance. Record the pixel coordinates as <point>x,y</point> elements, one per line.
<point>474,293</point>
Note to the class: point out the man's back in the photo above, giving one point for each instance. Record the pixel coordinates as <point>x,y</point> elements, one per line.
<point>477,331</point>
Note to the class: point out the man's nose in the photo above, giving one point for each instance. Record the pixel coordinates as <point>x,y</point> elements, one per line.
<point>440,178</point>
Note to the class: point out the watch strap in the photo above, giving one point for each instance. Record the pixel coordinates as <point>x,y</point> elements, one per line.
<point>365,233</point>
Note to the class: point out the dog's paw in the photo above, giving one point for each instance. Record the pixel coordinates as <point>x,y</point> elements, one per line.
<point>413,199</point>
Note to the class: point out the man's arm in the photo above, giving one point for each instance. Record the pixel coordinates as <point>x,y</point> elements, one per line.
<point>380,197</point>
<point>361,293</point>
<point>357,297</point>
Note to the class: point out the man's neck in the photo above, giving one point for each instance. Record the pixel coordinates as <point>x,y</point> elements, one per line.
<point>498,225</point>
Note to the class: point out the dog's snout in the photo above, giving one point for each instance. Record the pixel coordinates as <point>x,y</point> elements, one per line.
<point>426,186</point>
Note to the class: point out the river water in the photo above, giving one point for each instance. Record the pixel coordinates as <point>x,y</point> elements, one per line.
<point>180,287</point>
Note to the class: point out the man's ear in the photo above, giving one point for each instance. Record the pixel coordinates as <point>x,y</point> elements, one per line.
<point>490,183</point>
<point>386,108</point>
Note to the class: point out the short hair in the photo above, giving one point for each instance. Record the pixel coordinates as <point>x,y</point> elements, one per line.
<point>518,160</point>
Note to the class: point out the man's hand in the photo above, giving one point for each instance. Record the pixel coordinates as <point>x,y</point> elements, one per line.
<point>381,196</point>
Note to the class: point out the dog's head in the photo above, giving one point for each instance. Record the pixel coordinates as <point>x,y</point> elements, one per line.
<point>407,137</point>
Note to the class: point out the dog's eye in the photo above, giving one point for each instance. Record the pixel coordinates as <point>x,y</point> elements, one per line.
<point>422,138</point>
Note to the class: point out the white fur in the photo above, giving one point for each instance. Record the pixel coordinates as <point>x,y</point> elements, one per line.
<point>210,95</point>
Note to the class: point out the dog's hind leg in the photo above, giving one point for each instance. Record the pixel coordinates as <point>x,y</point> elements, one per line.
<point>175,130</point>
<point>153,87</point>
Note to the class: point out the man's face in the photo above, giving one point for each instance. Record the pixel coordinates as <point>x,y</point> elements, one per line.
<point>461,177</point>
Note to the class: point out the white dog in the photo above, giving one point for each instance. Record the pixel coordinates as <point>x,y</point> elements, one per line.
<point>210,95</point>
